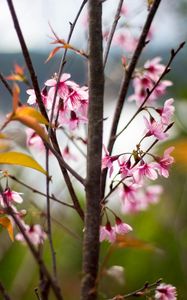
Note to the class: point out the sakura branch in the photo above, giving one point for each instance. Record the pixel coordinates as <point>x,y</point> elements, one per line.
<point>126,81</point>
<point>144,291</point>
<point>63,60</point>
<point>150,92</point>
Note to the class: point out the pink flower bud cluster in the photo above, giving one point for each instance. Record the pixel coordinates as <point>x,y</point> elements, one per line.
<point>109,233</point>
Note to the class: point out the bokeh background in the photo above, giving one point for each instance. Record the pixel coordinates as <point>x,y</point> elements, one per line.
<point>161,231</point>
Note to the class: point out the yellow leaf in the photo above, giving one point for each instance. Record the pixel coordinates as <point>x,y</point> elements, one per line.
<point>6,223</point>
<point>20,159</point>
<point>31,112</point>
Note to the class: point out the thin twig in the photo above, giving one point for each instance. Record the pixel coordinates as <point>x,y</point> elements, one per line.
<point>112,31</point>
<point>6,84</point>
<point>37,294</point>
<point>49,230</point>
<point>140,292</point>
<point>126,82</point>
<point>39,192</point>
<point>3,292</point>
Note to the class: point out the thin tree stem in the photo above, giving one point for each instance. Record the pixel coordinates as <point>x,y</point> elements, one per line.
<point>111,34</point>
<point>95,131</point>
<point>49,230</point>
<point>6,84</point>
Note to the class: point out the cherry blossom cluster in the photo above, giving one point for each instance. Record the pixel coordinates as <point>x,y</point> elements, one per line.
<point>133,171</point>
<point>35,233</point>
<point>145,79</point>
<point>71,103</point>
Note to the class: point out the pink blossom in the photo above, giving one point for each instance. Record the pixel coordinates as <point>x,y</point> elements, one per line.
<point>165,292</point>
<point>44,95</point>
<point>163,164</point>
<point>72,121</point>
<point>144,170</point>
<point>122,228</point>
<point>153,68</point>
<point>34,140</point>
<point>75,97</point>
<point>144,82</point>
<point>141,84</point>
<point>167,111</point>
<point>155,129</point>
<point>10,197</point>
<point>125,167</point>
<point>107,233</point>
<point>34,233</point>
<point>153,193</point>
<point>125,40</point>
<point>63,89</point>
<point>32,97</point>
<point>107,161</point>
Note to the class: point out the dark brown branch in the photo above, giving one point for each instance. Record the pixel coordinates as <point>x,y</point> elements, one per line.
<point>27,58</point>
<point>6,84</point>
<point>111,34</point>
<point>37,257</point>
<point>4,293</point>
<point>49,230</point>
<point>95,131</point>
<point>126,82</point>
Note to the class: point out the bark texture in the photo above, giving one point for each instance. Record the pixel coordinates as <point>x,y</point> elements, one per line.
<point>95,132</point>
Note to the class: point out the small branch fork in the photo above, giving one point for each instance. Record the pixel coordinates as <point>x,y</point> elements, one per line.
<point>140,292</point>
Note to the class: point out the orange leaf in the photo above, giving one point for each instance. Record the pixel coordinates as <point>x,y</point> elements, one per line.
<point>126,241</point>
<point>6,223</point>
<point>53,52</point>
<point>18,69</point>
<point>32,123</point>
